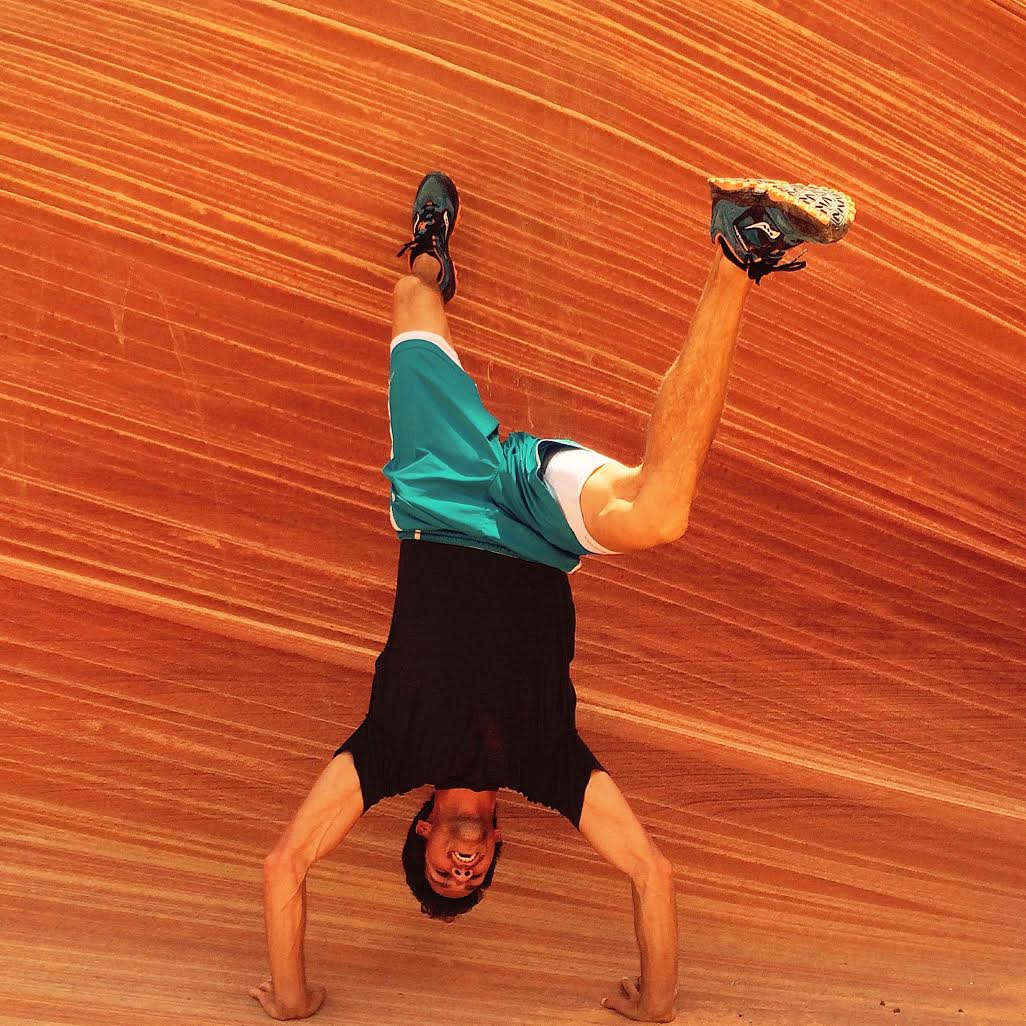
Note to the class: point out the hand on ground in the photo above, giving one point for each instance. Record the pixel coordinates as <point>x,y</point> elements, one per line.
<point>629,1003</point>
<point>265,995</point>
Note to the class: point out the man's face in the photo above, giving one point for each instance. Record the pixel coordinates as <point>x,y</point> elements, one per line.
<point>458,853</point>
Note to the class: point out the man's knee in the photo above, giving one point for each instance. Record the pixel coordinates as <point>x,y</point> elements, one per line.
<point>647,533</point>
<point>650,526</point>
<point>624,513</point>
<point>417,306</point>
<point>412,286</point>
<point>624,527</point>
<point>407,286</point>
<point>672,529</point>
<point>661,514</point>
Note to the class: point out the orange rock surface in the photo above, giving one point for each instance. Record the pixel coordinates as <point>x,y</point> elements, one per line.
<point>814,701</point>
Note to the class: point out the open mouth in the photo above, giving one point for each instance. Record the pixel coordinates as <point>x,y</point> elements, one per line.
<point>460,857</point>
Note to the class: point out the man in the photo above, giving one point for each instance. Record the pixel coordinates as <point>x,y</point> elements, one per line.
<point>472,691</point>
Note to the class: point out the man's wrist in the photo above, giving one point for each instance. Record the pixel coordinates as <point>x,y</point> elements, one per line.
<point>291,1001</point>
<point>661,1014</point>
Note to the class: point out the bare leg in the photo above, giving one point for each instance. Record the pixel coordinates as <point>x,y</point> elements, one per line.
<point>417,303</point>
<point>632,508</point>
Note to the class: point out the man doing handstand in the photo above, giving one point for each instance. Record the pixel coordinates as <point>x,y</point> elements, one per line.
<point>472,691</point>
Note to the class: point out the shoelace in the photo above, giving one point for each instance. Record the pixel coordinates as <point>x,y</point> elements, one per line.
<point>759,262</point>
<point>427,227</point>
<point>767,262</point>
<point>763,259</point>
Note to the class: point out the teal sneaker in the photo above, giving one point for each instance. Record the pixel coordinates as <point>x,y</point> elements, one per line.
<point>436,208</point>
<point>757,222</point>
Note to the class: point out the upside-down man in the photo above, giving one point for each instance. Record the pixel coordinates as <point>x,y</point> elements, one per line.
<point>472,692</point>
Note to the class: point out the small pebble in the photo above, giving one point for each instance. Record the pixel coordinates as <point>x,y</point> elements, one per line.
<point>883,1004</point>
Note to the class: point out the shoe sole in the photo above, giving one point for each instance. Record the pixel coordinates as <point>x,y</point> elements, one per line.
<point>821,214</point>
<point>452,230</point>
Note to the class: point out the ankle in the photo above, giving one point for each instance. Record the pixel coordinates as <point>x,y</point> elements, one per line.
<point>724,273</point>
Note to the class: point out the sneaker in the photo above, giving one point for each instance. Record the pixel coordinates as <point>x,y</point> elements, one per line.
<point>436,208</point>
<point>757,222</point>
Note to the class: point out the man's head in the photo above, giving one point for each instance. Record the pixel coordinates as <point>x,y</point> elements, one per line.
<point>450,858</point>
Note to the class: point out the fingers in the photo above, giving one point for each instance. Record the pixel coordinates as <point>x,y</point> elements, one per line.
<point>618,1003</point>
<point>265,995</point>
<point>261,995</point>
<point>627,1000</point>
<point>630,988</point>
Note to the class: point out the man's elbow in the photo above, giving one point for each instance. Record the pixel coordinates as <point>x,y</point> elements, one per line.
<point>282,866</point>
<point>655,868</point>
<point>664,867</point>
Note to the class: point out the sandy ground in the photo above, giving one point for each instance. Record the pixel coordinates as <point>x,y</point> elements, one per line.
<point>814,701</point>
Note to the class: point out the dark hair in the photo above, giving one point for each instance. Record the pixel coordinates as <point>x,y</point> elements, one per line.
<point>414,857</point>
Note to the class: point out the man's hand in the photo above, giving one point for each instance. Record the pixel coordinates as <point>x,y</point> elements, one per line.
<point>629,1002</point>
<point>265,995</point>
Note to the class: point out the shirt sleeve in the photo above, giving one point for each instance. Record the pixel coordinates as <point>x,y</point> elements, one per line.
<point>373,766</point>
<point>560,780</point>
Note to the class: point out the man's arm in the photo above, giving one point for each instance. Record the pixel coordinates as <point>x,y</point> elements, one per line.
<point>615,833</point>
<point>327,814</point>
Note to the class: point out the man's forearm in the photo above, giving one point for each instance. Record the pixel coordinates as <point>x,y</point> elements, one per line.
<point>285,915</point>
<point>655,922</point>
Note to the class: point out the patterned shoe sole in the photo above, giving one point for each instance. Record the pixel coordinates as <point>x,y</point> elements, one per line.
<point>822,215</point>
